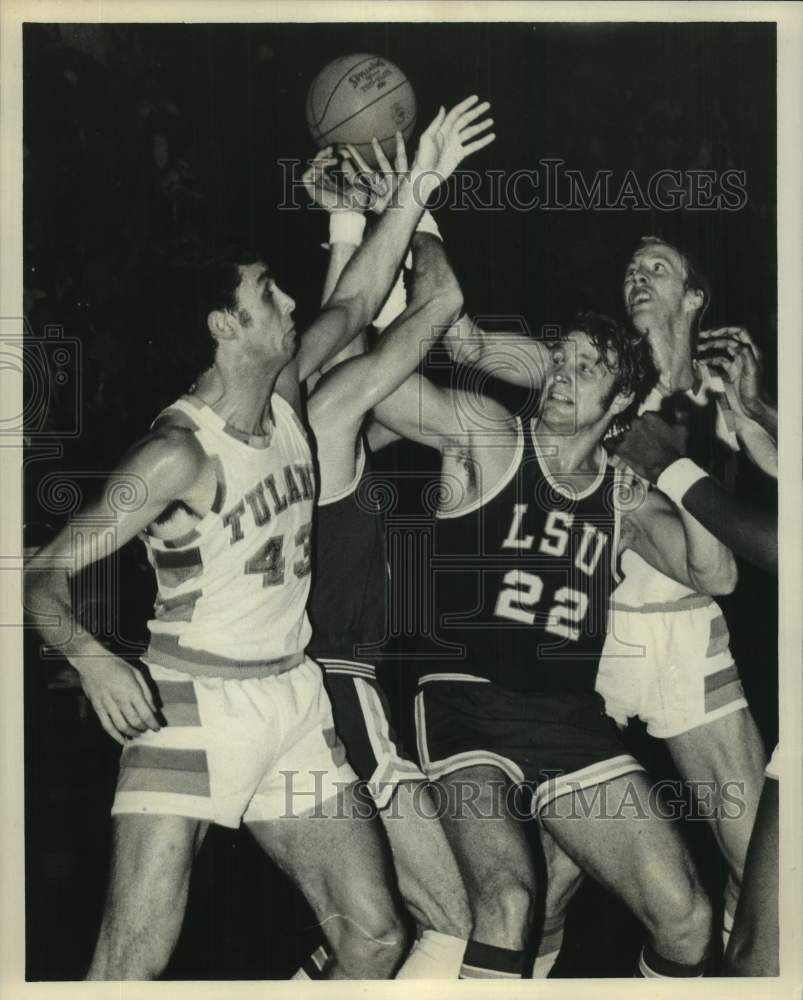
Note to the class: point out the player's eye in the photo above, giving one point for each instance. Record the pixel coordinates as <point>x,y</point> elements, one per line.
<point>658,266</point>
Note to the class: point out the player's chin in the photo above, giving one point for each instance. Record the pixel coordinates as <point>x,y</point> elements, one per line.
<point>640,316</point>
<point>558,414</point>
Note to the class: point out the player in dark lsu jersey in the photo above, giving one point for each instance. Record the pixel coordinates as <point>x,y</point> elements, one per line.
<point>350,589</point>
<point>523,567</point>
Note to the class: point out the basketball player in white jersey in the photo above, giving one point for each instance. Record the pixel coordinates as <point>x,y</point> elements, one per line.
<point>520,706</point>
<point>229,721</point>
<point>657,452</point>
<point>686,685</point>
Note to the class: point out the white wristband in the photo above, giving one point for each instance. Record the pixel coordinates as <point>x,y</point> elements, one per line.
<point>346,227</point>
<point>678,478</point>
<point>426,224</point>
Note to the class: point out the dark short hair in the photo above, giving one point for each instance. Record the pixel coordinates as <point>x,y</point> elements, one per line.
<point>198,285</point>
<point>634,368</point>
<point>218,278</point>
<point>695,278</point>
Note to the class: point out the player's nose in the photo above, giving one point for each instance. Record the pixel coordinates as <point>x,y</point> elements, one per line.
<point>288,304</point>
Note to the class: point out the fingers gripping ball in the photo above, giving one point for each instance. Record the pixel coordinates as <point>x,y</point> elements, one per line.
<point>357,97</point>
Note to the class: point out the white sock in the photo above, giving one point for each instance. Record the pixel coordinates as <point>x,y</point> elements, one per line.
<point>729,910</point>
<point>544,964</point>
<point>434,956</point>
<point>549,947</point>
<point>315,965</point>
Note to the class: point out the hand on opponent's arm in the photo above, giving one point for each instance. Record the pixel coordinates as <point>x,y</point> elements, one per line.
<point>651,447</point>
<point>663,532</point>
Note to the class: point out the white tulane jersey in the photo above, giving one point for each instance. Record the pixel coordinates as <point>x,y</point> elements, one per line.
<point>643,584</point>
<point>233,591</point>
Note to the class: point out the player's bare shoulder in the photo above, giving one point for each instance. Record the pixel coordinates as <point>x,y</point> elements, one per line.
<point>176,471</point>
<point>477,461</point>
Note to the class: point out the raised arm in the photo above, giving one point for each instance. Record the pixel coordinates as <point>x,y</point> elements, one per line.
<point>367,278</point>
<point>160,470</point>
<point>515,358</point>
<point>354,387</point>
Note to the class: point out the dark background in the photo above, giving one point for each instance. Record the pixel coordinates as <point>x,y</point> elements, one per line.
<point>145,145</point>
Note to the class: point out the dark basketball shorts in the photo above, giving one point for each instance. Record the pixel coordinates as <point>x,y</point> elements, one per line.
<point>362,721</point>
<point>553,743</point>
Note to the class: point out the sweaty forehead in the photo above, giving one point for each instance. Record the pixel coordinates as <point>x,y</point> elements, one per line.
<point>581,342</point>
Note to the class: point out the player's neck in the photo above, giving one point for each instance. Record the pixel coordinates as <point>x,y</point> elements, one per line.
<point>239,395</point>
<point>565,454</point>
<point>671,350</point>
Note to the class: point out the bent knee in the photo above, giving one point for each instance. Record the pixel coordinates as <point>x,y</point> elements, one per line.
<point>505,906</point>
<point>680,912</point>
<point>368,941</point>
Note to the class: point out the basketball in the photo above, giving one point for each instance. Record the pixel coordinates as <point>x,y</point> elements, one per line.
<point>355,98</point>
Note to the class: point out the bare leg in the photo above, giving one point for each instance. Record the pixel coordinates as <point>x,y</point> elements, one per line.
<point>428,876</point>
<point>493,856</point>
<point>753,947</point>
<point>727,758</point>
<point>564,878</point>
<point>150,875</point>
<point>639,857</point>
<point>337,859</point>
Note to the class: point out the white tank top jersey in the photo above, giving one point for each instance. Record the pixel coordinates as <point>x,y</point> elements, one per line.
<point>642,583</point>
<point>233,591</point>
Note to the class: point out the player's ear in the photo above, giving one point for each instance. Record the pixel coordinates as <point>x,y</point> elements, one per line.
<point>221,324</point>
<point>694,299</point>
<point>621,401</point>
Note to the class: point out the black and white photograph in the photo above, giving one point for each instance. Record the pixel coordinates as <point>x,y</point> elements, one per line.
<point>400,582</point>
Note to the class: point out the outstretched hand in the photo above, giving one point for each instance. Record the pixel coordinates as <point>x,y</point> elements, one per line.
<point>451,137</point>
<point>651,445</point>
<point>731,351</point>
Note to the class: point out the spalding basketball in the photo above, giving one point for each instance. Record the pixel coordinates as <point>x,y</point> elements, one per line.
<point>358,97</point>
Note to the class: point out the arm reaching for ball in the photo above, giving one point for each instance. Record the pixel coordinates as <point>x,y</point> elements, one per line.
<point>368,276</point>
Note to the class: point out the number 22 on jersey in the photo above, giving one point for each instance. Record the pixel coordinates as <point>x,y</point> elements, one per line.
<point>523,590</point>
